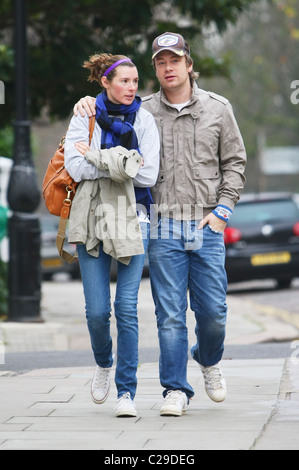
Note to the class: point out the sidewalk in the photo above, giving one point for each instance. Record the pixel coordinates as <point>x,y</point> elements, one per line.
<point>51,408</point>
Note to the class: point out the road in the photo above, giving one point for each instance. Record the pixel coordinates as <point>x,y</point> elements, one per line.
<point>63,339</point>
<point>269,300</point>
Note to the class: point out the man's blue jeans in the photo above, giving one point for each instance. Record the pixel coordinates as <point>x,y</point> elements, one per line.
<point>95,274</point>
<point>187,259</point>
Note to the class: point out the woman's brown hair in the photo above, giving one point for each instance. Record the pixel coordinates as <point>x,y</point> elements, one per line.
<point>99,63</point>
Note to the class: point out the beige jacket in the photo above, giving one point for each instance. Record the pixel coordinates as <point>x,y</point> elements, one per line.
<point>104,210</point>
<point>203,157</point>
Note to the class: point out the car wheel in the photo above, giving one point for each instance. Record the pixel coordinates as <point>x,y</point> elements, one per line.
<point>76,274</point>
<point>284,283</point>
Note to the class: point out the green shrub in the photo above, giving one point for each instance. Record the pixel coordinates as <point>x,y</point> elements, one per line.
<point>6,142</point>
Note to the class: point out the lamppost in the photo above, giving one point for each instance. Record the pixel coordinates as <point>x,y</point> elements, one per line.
<point>24,276</point>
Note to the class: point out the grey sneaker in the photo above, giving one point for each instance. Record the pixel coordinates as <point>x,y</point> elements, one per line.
<point>175,403</point>
<point>125,407</point>
<point>100,385</point>
<point>214,383</point>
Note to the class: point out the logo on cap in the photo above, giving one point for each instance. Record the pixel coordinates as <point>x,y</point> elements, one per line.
<point>168,40</point>
<point>172,42</point>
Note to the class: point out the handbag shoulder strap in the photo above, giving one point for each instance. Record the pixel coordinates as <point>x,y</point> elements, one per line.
<point>92,121</point>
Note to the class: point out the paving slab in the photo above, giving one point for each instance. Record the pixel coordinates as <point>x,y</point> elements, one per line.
<point>52,409</point>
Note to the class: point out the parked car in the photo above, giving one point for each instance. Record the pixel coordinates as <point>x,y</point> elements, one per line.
<point>52,263</point>
<point>262,239</point>
<point>114,264</point>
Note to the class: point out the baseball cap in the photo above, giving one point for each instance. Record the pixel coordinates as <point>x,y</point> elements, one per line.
<point>170,42</point>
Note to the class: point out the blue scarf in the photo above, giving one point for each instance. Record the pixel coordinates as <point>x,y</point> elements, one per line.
<point>117,131</point>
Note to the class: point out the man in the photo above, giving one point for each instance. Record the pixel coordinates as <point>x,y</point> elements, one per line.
<point>201,176</point>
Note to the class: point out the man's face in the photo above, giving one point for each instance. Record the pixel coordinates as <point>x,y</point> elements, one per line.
<point>172,70</point>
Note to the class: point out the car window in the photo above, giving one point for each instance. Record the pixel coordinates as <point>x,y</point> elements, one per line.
<point>264,212</point>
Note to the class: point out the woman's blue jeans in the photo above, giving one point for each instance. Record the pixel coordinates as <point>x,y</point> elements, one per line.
<point>95,274</point>
<point>184,258</point>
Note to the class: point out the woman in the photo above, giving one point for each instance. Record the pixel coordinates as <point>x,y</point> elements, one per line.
<point>120,123</point>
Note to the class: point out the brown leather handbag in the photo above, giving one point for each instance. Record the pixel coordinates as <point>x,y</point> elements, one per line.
<point>59,190</point>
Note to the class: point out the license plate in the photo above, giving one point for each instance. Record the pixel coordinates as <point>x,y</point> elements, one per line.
<point>52,263</point>
<point>271,258</point>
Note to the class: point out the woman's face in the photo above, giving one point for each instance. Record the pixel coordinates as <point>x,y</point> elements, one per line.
<point>123,88</point>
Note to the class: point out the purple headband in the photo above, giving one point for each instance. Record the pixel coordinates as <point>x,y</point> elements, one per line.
<point>115,65</point>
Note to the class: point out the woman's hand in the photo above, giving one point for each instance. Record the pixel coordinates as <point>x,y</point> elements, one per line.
<point>82,147</point>
<point>86,104</point>
<point>216,224</point>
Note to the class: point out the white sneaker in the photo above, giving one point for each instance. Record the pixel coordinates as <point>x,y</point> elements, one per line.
<point>125,407</point>
<point>214,383</point>
<point>100,385</point>
<point>175,403</point>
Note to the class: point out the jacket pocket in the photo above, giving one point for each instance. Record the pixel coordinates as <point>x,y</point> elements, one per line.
<point>159,191</point>
<point>207,182</point>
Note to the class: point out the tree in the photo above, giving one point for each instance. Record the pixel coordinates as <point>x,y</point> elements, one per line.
<point>62,34</point>
<point>265,63</point>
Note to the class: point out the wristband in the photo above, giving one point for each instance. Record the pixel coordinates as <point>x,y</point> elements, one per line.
<point>223,212</point>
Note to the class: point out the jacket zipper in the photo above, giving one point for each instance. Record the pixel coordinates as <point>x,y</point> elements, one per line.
<point>194,140</point>
<point>162,132</point>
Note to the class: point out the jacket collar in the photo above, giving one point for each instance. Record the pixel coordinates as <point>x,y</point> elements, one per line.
<point>195,107</point>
